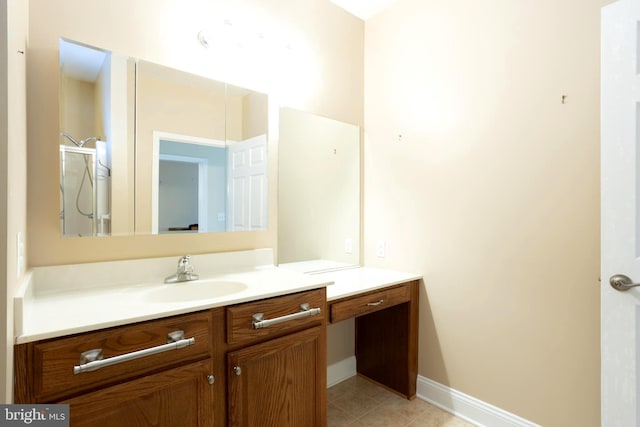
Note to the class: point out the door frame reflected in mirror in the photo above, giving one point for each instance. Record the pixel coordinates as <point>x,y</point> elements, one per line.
<point>203,193</point>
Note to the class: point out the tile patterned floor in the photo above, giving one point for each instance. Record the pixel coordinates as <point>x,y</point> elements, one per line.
<point>358,402</point>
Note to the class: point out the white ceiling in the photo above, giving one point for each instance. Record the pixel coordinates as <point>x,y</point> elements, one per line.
<point>363,9</point>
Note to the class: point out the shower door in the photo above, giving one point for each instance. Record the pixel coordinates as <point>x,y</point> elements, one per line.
<point>77,191</point>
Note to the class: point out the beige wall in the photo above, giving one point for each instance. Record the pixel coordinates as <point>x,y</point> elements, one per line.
<point>247,114</point>
<point>493,193</point>
<point>254,113</point>
<point>13,162</point>
<point>78,109</point>
<point>323,74</point>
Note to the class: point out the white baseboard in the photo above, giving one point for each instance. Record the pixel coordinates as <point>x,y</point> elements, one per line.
<point>340,371</point>
<point>467,407</point>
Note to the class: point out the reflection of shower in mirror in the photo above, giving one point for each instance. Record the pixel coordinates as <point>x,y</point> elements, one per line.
<point>82,142</point>
<point>84,188</point>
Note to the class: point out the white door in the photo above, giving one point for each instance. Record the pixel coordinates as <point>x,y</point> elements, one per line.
<point>620,201</point>
<point>248,184</point>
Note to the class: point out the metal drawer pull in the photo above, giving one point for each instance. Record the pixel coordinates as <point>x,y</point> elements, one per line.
<point>92,360</point>
<point>375,303</point>
<point>260,322</point>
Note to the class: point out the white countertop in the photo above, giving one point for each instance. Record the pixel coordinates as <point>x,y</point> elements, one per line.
<point>55,314</point>
<point>354,281</point>
<point>349,280</point>
<point>66,299</point>
<point>63,300</point>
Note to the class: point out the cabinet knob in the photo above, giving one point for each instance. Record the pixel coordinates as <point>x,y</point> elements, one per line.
<point>237,370</point>
<point>211,379</point>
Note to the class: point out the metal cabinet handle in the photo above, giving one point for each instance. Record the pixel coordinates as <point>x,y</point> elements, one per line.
<point>211,379</point>
<point>237,370</point>
<point>621,282</point>
<point>91,356</point>
<point>260,322</point>
<point>373,304</point>
<point>92,360</point>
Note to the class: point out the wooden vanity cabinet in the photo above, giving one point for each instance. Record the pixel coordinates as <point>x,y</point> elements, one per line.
<point>386,323</point>
<point>234,374</point>
<point>276,375</point>
<point>171,388</point>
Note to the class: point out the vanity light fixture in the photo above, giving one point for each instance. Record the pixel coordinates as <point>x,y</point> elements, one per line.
<point>220,32</point>
<point>227,36</point>
<point>203,38</point>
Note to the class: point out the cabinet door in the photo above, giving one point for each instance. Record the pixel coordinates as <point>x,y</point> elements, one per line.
<point>176,397</point>
<point>281,382</point>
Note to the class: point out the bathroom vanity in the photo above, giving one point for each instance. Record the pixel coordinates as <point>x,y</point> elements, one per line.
<point>386,334</point>
<point>251,355</point>
<point>384,304</point>
<point>230,371</point>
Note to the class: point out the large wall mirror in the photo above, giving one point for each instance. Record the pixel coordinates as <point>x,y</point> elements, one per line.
<point>201,154</point>
<point>318,192</point>
<point>192,150</point>
<point>96,141</point>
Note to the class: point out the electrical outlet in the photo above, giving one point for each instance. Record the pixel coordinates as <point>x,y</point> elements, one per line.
<point>380,249</point>
<point>348,245</point>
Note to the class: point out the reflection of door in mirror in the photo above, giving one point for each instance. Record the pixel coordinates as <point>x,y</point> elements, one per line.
<point>95,88</point>
<point>189,184</point>
<point>248,184</point>
<point>246,133</point>
<point>318,192</point>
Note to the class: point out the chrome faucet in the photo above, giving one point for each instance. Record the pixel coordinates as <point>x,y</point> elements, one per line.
<point>184,273</point>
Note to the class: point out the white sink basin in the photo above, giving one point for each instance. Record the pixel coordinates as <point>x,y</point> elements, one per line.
<point>194,290</point>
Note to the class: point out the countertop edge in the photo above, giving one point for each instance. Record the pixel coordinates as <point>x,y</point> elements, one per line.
<point>341,295</point>
<point>27,338</point>
<point>359,280</point>
<point>33,313</point>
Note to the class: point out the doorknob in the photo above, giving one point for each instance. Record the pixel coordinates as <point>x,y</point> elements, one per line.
<point>621,282</point>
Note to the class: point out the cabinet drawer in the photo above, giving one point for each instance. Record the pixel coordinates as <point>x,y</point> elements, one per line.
<point>240,318</point>
<point>368,303</point>
<point>54,360</point>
